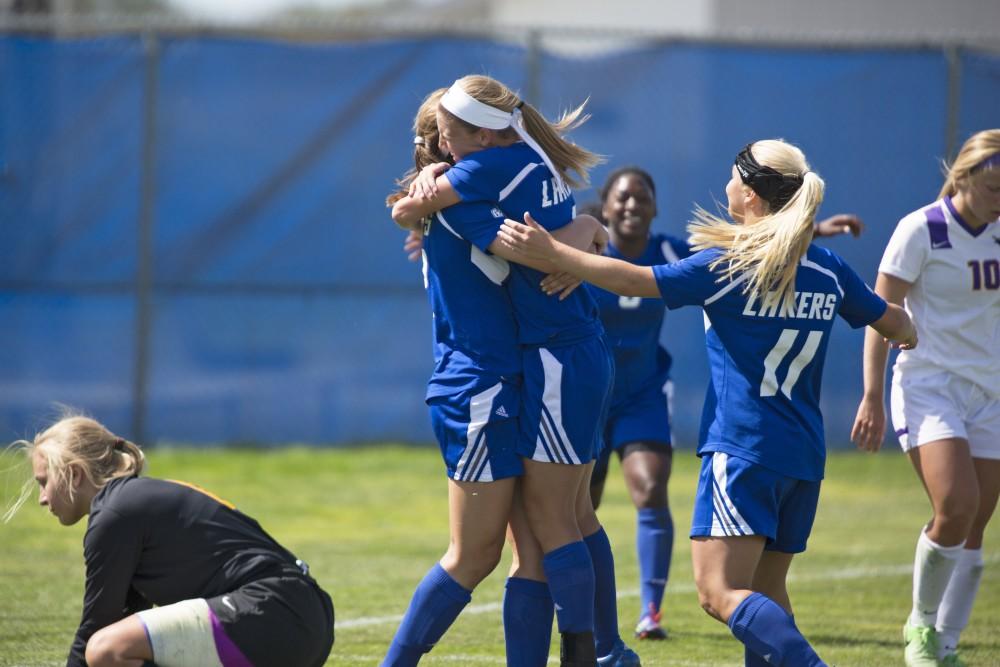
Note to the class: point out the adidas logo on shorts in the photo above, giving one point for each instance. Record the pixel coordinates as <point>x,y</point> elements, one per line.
<point>501,412</point>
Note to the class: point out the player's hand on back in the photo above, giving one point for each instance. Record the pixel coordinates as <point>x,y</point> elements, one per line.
<point>425,183</point>
<point>560,283</point>
<point>527,238</point>
<point>413,245</point>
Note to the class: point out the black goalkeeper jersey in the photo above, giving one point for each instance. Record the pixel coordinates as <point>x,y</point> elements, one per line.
<point>157,542</point>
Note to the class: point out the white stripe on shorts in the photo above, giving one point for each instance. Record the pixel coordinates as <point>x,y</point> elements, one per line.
<point>470,467</point>
<point>726,518</point>
<point>553,444</point>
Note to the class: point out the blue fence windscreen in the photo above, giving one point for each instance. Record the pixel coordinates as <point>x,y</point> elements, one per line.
<point>282,308</point>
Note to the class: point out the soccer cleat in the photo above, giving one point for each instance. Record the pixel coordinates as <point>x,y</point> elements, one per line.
<point>921,645</point>
<point>649,625</point>
<point>620,656</point>
<point>951,660</point>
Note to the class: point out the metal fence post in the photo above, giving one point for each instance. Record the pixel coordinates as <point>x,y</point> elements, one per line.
<point>144,249</point>
<point>533,66</point>
<point>953,56</point>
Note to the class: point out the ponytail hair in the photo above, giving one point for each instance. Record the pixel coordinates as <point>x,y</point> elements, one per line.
<point>81,441</point>
<point>979,152</point>
<point>426,150</point>
<point>769,250</point>
<point>566,156</point>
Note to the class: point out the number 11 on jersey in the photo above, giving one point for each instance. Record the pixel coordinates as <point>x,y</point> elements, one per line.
<point>769,385</point>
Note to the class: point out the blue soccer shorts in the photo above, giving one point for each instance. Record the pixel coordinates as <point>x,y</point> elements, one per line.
<point>643,416</point>
<point>478,432</point>
<point>564,401</point>
<point>736,497</point>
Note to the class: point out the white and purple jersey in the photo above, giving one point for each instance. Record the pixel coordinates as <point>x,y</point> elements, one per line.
<point>632,324</point>
<point>955,298</point>
<point>767,362</point>
<point>515,179</point>
<point>475,335</point>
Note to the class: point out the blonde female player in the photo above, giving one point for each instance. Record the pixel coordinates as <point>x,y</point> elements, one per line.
<point>227,594</point>
<point>474,398</point>
<point>509,156</point>
<point>769,298</point>
<point>943,264</point>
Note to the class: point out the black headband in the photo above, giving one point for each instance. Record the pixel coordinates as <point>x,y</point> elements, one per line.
<point>773,187</point>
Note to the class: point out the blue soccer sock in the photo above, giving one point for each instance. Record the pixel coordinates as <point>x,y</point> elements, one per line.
<point>769,631</point>
<point>606,634</point>
<point>527,622</point>
<point>751,659</point>
<point>655,545</point>
<point>436,604</point>
<point>570,573</point>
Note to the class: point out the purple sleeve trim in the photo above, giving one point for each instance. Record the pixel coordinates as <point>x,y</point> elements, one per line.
<point>902,431</point>
<point>938,228</point>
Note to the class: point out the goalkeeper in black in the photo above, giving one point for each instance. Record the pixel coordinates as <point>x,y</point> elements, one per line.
<point>176,577</point>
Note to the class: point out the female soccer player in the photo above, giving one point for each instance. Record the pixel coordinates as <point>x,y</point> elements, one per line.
<point>769,299</point>
<point>474,398</point>
<point>943,264</point>
<point>227,594</point>
<point>509,157</point>
<point>638,426</point>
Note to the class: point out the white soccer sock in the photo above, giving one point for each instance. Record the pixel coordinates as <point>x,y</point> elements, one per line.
<point>956,605</point>
<point>932,568</point>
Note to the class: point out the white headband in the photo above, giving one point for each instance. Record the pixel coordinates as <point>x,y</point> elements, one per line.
<point>474,112</point>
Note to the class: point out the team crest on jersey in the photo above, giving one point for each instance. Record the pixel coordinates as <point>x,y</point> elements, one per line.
<point>496,212</point>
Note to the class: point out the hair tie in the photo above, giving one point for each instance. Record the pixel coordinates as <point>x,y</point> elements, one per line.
<point>772,186</point>
<point>119,444</point>
<point>419,141</point>
<point>464,106</point>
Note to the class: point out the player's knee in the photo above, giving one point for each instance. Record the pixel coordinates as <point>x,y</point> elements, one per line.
<point>475,561</point>
<point>102,650</point>
<point>958,510</point>
<point>709,602</point>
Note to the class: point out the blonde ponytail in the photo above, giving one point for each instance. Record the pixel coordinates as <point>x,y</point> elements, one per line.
<point>566,156</point>
<point>769,250</point>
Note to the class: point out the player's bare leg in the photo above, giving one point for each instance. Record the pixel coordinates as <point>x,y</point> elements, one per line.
<point>121,644</point>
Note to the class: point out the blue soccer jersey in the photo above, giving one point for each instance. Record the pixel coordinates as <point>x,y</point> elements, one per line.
<point>515,179</point>
<point>632,324</point>
<point>766,362</point>
<point>475,335</point>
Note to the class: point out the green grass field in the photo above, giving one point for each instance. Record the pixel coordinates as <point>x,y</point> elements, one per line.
<point>371,521</point>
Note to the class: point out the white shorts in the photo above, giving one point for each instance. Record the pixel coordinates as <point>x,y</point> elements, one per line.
<point>942,405</point>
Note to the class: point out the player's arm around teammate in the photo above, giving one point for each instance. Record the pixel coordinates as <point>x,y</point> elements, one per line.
<point>638,426</point>
<point>514,158</point>
<point>767,294</point>
<point>943,262</point>
<point>228,595</point>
